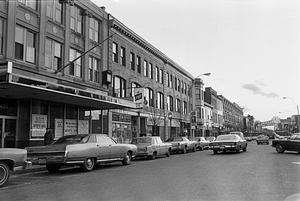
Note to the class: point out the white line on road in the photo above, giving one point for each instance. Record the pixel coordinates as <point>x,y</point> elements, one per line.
<point>297,163</point>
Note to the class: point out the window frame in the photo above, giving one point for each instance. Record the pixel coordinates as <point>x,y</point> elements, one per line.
<point>77,64</point>
<point>53,55</point>
<point>94,69</point>
<point>24,43</point>
<point>54,11</point>
<point>115,52</point>
<point>94,27</point>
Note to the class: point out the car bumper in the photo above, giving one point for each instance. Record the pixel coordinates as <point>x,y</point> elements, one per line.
<point>47,160</point>
<point>26,165</point>
<point>224,148</point>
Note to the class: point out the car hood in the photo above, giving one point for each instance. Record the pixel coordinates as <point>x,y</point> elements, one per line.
<point>12,153</point>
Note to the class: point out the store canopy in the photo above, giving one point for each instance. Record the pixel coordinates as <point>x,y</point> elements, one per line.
<point>15,90</point>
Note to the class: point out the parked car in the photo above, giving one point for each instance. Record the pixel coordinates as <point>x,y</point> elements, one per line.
<point>202,143</point>
<point>229,142</point>
<point>151,147</point>
<point>84,150</point>
<point>248,138</point>
<point>12,159</point>
<point>182,144</point>
<point>210,139</point>
<point>262,139</point>
<point>291,144</point>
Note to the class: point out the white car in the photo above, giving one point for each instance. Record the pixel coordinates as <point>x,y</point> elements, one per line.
<point>202,143</point>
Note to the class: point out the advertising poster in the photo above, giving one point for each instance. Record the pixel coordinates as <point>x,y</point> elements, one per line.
<point>38,125</point>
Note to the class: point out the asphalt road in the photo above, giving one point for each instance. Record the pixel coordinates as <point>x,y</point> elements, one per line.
<point>258,174</point>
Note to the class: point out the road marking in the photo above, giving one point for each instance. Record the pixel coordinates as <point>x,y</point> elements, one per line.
<point>297,163</point>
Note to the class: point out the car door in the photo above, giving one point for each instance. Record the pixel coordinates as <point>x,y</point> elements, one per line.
<point>297,144</point>
<point>161,146</point>
<point>294,143</point>
<point>116,150</point>
<point>104,146</point>
<point>155,145</point>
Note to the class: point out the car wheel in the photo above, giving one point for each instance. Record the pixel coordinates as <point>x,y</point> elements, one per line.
<point>238,150</point>
<point>88,164</point>
<point>279,148</point>
<point>201,148</point>
<point>245,149</point>
<point>53,168</point>
<point>127,159</point>
<point>168,153</point>
<point>215,151</point>
<point>4,173</point>
<point>184,150</point>
<point>194,149</point>
<point>153,156</point>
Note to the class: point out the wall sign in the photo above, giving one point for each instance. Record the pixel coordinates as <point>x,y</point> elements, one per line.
<point>38,125</point>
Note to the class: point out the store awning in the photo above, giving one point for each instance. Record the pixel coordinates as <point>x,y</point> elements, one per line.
<point>15,90</point>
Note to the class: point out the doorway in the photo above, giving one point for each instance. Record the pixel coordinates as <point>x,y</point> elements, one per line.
<point>8,127</point>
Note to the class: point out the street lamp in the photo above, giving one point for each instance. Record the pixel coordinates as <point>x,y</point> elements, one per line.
<point>170,118</point>
<point>297,120</point>
<point>206,74</point>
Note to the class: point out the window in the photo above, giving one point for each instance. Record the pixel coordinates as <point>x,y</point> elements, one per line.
<point>132,61</point>
<point>119,87</point>
<point>170,103</point>
<point>160,100</point>
<point>184,88</point>
<point>29,3</point>
<point>157,74</point>
<point>177,105</point>
<point>161,76</point>
<point>123,56</point>
<point>75,70</point>
<point>184,106</point>
<point>168,79</point>
<point>146,71</point>
<point>134,85</point>
<point>76,19</point>
<point>171,81</point>
<point>53,54</point>
<point>54,10</point>
<point>150,70</point>
<point>198,94</point>
<point>115,52</point>
<point>94,29</point>
<point>1,36</point>
<point>94,69</point>
<point>149,97</point>
<point>178,85</point>
<point>24,45</point>
<point>138,64</point>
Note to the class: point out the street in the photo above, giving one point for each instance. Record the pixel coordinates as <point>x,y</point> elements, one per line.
<point>258,174</point>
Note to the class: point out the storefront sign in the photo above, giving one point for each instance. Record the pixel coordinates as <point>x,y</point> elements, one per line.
<point>38,125</point>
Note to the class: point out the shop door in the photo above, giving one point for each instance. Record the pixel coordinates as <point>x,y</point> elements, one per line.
<point>7,132</point>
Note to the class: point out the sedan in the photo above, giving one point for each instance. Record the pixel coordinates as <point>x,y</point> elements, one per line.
<point>202,143</point>
<point>151,147</point>
<point>182,144</point>
<point>12,159</point>
<point>230,142</point>
<point>84,150</point>
<point>262,139</point>
<point>291,144</point>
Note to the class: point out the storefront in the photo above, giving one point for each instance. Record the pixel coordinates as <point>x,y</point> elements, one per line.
<point>121,127</point>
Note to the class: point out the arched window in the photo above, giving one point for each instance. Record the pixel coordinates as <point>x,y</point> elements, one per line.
<point>119,87</point>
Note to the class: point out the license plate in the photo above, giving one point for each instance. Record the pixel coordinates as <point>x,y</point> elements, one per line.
<point>42,161</point>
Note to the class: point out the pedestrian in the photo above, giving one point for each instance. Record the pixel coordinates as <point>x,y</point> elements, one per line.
<point>48,137</point>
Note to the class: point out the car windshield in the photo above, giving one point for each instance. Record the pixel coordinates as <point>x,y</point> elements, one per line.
<point>72,139</point>
<point>142,140</point>
<point>174,139</point>
<point>226,137</point>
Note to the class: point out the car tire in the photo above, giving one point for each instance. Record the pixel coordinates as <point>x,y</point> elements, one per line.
<point>4,173</point>
<point>184,150</point>
<point>215,152</point>
<point>245,149</point>
<point>279,148</point>
<point>194,149</point>
<point>168,153</point>
<point>88,165</point>
<point>238,150</point>
<point>127,159</point>
<point>153,157</point>
<point>53,168</point>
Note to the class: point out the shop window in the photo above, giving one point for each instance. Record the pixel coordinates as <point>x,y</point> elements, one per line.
<point>54,10</point>
<point>25,44</point>
<point>8,107</point>
<point>39,118</point>
<point>76,21</point>
<point>56,119</point>
<point>53,54</point>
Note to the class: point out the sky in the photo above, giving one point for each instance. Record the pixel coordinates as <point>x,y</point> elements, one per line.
<point>250,47</point>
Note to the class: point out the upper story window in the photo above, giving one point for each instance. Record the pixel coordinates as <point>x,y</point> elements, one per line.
<point>150,70</point>
<point>178,84</point>
<point>123,56</point>
<point>75,70</point>
<point>146,71</point>
<point>115,52</point>
<point>157,74</point>
<point>134,86</point>
<point>184,106</point>
<point>94,29</point>
<point>53,54</point>
<point>119,87</point>
<point>25,44</point>
<point>132,61</point>
<point>171,81</point>
<point>161,76</point>
<point>182,90</point>
<point>138,64</point>
<point>170,103</point>
<point>1,36</point>
<point>94,72</point>
<point>54,10</point>
<point>29,3</point>
<point>168,79</point>
<point>177,105</point>
<point>76,21</point>
<point>160,100</point>
<point>148,95</point>
<point>198,94</point>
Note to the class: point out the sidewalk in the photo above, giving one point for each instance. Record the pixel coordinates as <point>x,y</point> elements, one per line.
<point>34,168</point>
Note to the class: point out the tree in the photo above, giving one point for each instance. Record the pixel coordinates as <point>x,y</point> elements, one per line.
<point>156,117</point>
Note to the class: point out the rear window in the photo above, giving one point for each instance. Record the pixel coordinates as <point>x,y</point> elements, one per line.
<point>72,139</point>
<point>226,137</point>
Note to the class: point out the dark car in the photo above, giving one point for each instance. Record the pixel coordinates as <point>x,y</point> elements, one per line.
<point>229,142</point>
<point>262,139</point>
<point>84,150</point>
<point>291,144</point>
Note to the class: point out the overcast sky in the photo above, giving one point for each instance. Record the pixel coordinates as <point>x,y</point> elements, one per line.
<point>251,47</point>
